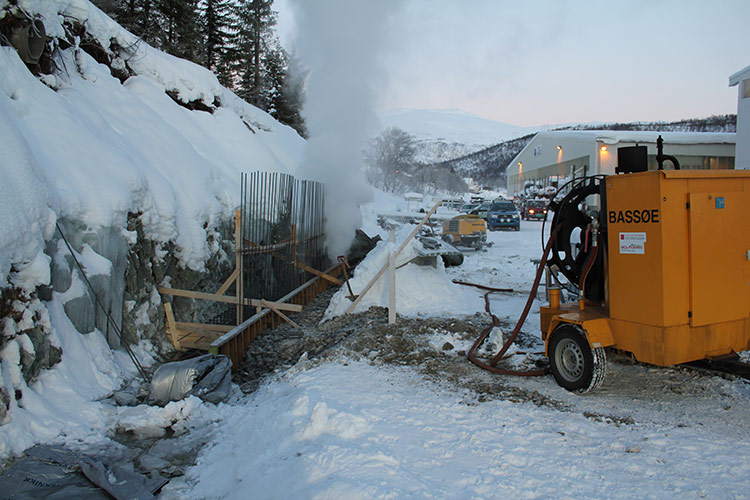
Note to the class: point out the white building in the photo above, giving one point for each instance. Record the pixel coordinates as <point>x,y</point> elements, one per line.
<point>742,80</point>
<point>565,153</point>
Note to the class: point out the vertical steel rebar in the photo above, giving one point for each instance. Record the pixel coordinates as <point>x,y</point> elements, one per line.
<point>271,205</point>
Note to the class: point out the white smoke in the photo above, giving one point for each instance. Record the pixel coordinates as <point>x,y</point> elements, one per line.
<point>338,42</point>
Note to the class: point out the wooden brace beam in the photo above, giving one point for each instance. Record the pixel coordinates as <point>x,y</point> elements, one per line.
<point>171,326</point>
<point>272,307</point>
<point>232,277</point>
<point>225,298</point>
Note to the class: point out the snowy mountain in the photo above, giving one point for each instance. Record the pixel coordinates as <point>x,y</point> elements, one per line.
<point>444,134</point>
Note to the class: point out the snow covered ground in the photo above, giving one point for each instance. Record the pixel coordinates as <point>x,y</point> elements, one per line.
<point>341,426</point>
<point>345,427</point>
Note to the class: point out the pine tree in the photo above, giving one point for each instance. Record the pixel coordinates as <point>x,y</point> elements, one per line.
<point>137,16</point>
<point>289,101</point>
<point>216,22</point>
<point>256,20</point>
<point>179,33</point>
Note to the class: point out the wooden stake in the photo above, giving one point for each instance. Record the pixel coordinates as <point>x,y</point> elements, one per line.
<point>171,326</point>
<point>392,281</point>
<point>383,269</point>
<point>238,263</point>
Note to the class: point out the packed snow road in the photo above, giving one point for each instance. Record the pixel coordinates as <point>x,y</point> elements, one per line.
<point>398,412</point>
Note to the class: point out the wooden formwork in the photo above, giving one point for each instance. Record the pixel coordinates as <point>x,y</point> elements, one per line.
<point>235,342</point>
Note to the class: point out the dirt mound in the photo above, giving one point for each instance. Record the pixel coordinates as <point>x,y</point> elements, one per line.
<point>435,347</point>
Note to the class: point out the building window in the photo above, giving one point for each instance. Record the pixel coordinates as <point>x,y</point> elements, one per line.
<point>745,89</point>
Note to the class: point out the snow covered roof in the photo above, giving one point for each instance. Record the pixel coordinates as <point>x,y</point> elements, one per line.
<point>617,136</point>
<point>739,76</point>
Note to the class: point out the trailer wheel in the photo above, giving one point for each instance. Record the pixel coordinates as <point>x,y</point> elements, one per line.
<point>574,364</point>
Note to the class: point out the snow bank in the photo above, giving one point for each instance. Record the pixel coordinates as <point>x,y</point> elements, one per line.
<point>79,145</point>
<point>358,431</point>
<point>61,405</point>
<point>91,149</point>
<point>26,218</point>
<point>420,290</point>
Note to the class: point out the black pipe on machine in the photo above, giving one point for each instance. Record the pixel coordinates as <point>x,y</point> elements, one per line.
<point>660,156</point>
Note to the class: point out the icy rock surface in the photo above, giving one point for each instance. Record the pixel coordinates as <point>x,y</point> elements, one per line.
<point>103,254</point>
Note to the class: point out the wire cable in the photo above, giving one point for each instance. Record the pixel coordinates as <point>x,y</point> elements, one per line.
<point>111,321</point>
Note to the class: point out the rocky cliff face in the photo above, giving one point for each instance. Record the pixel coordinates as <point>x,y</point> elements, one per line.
<point>123,269</point>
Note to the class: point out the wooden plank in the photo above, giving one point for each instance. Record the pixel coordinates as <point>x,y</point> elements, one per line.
<point>385,266</point>
<point>195,341</point>
<point>171,326</point>
<point>238,263</point>
<point>223,298</point>
<point>320,274</point>
<point>223,288</point>
<point>237,330</point>
<point>199,330</point>
<point>284,316</point>
<point>392,283</point>
<point>206,326</point>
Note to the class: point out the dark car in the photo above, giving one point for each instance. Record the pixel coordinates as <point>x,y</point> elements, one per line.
<point>503,215</point>
<point>535,209</point>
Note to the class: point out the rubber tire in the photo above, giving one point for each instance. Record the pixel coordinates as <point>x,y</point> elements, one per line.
<point>518,227</point>
<point>574,364</point>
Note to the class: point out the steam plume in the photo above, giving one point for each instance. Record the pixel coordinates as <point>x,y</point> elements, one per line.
<point>338,41</point>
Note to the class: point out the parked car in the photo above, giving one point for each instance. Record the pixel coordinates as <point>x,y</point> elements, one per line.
<point>482,210</point>
<point>503,215</point>
<point>453,204</point>
<point>535,209</point>
<point>468,207</point>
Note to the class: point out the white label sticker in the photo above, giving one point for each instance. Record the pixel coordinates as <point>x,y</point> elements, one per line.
<point>633,243</point>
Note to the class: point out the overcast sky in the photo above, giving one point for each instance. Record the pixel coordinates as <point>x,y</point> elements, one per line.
<point>535,62</point>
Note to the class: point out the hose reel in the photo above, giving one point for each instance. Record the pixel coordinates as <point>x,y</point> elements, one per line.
<point>574,242</point>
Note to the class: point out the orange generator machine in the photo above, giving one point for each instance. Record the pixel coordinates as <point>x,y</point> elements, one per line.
<point>661,267</point>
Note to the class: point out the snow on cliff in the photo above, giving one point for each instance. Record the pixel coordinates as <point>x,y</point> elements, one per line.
<point>80,144</point>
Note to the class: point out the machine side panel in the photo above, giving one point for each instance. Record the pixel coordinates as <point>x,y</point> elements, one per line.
<point>718,257</point>
<point>680,344</point>
<point>634,240</point>
<point>675,260</point>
